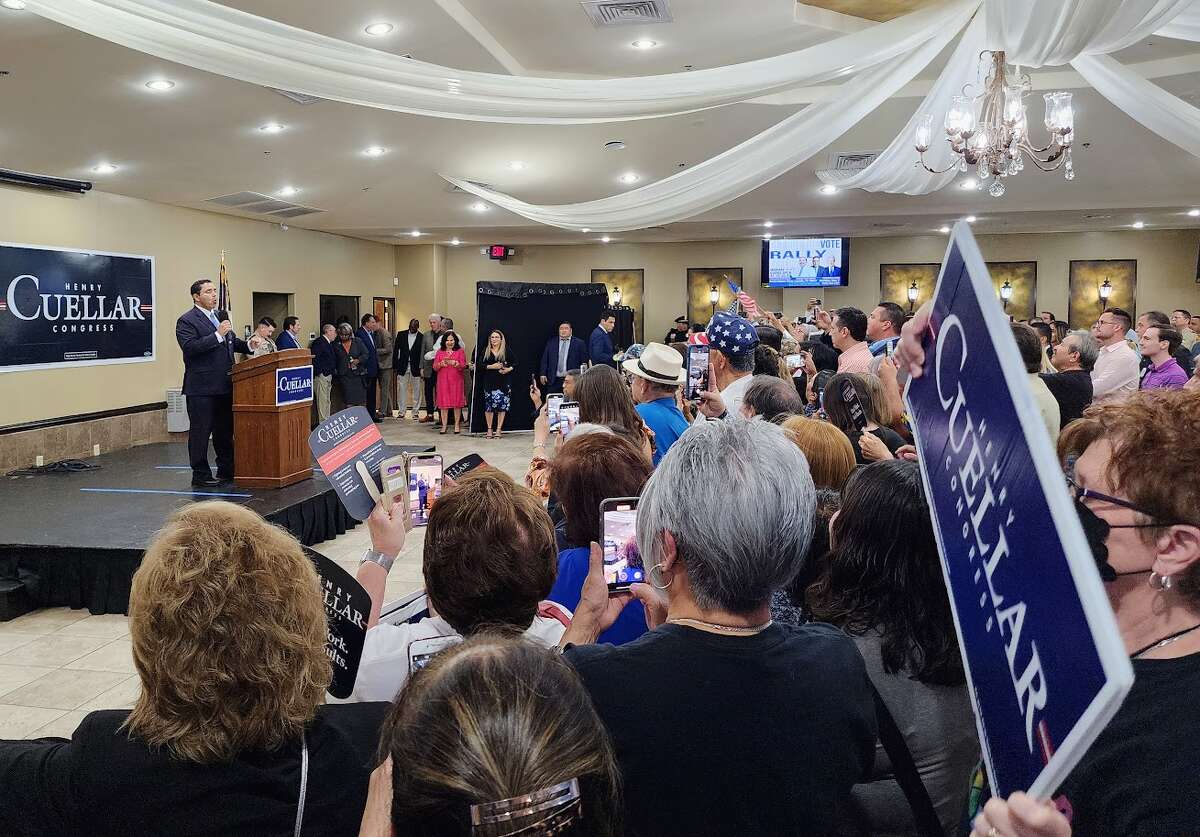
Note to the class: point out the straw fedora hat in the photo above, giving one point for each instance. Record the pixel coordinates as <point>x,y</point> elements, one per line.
<point>659,364</point>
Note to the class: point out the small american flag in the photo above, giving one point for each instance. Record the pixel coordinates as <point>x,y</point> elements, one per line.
<point>224,303</point>
<point>741,298</point>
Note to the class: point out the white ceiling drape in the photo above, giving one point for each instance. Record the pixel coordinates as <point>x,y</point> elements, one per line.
<point>223,40</point>
<point>1185,26</point>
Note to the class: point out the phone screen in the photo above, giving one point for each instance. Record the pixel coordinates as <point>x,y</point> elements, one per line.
<point>568,417</point>
<point>424,486</point>
<point>795,361</point>
<point>421,651</point>
<point>618,527</point>
<point>697,371</point>
<point>857,414</point>
<point>552,404</point>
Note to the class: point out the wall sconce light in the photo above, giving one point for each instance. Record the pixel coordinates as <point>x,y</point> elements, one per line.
<point>1105,291</point>
<point>713,296</point>
<point>616,296</point>
<point>913,293</point>
<point>1006,291</point>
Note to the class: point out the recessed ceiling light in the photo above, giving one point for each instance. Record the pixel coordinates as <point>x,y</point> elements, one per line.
<point>614,145</point>
<point>375,151</point>
<point>768,224</point>
<point>629,177</point>
<point>104,168</point>
<point>15,5</point>
<point>967,183</point>
<point>287,191</point>
<point>1137,225</point>
<point>160,84</point>
<point>644,43</point>
<point>516,165</point>
<point>454,242</point>
<point>480,206</point>
<point>828,189</point>
<point>766,236</point>
<point>272,128</point>
<point>378,30</point>
<point>415,233</point>
<point>605,239</point>
<point>943,229</point>
<point>586,229</point>
<point>1194,213</point>
<point>970,219</point>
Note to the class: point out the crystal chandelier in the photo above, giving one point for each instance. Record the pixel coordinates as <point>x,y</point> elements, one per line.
<point>991,133</point>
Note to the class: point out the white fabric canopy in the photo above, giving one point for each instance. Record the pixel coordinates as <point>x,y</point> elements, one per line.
<point>1165,114</point>
<point>1185,26</point>
<point>741,169</point>
<point>223,40</point>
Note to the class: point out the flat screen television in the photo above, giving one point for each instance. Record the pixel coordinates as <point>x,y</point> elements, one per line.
<point>805,262</point>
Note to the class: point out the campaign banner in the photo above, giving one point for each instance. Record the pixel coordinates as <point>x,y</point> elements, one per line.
<point>61,307</point>
<point>293,385</point>
<point>339,443</point>
<point>1046,666</point>
<point>347,608</point>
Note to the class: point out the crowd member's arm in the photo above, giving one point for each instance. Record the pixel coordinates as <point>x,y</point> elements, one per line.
<point>909,350</point>
<point>893,402</point>
<point>872,447</point>
<point>597,610</point>
<point>377,815</point>
<point>36,790</point>
<point>1020,816</point>
<point>387,538</point>
<point>711,405</point>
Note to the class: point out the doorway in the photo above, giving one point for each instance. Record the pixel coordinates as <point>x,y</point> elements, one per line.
<point>335,309</point>
<point>275,306</point>
<point>384,310</point>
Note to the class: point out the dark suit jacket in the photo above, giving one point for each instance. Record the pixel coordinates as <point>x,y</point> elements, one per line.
<point>577,355</point>
<point>105,782</point>
<point>372,364</point>
<point>1073,392</point>
<point>600,347</point>
<point>824,272</point>
<point>359,350</point>
<point>408,362</point>
<point>287,340</point>
<point>324,360</point>
<point>206,360</point>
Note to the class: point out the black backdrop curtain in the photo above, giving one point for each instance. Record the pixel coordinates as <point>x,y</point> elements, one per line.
<point>528,314</point>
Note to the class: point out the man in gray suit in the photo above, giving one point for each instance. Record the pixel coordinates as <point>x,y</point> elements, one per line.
<point>387,374</point>
<point>430,345</point>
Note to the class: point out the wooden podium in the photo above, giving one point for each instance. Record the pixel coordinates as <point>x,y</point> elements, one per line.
<point>270,440</point>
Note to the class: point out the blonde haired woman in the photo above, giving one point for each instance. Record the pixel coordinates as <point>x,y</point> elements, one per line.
<point>228,735</point>
<point>498,365</point>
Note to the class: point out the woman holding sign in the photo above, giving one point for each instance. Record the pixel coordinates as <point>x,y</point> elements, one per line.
<point>449,364</point>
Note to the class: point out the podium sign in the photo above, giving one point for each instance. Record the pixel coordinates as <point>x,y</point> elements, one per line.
<point>1046,666</point>
<point>293,385</point>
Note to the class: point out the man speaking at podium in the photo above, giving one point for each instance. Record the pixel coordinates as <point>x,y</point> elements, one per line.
<point>208,343</point>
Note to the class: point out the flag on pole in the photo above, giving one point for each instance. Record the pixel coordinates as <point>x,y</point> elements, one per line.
<point>224,303</point>
<point>742,298</point>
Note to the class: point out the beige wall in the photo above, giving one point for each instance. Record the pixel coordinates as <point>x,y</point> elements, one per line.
<point>1166,269</point>
<point>186,245</point>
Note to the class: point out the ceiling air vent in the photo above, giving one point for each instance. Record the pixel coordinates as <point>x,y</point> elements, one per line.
<point>260,204</point>
<point>622,12</point>
<point>851,161</point>
<point>298,98</point>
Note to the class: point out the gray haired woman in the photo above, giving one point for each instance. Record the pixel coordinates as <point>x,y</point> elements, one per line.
<point>723,721</point>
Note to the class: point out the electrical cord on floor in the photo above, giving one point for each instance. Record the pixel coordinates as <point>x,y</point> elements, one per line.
<point>63,466</point>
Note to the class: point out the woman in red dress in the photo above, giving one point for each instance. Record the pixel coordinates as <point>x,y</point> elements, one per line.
<point>449,364</point>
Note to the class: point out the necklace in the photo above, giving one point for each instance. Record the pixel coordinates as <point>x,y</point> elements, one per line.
<point>735,630</point>
<point>1167,640</point>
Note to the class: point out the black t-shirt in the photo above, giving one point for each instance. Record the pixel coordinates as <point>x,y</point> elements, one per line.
<point>729,735</point>
<point>1073,392</point>
<point>1142,775</point>
<point>889,437</point>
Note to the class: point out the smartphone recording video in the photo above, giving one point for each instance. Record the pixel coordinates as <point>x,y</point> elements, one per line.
<point>424,485</point>
<point>568,417</point>
<point>618,527</point>
<point>697,366</point>
<point>553,402</point>
<point>421,651</point>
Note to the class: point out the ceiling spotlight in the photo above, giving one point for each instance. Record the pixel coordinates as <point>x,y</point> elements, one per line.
<point>516,165</point>
<point>454,242</point>
<point>768,224</point>
<point>1195,213</point>
<point>375,151</point>
<point>943,229</point>
<point>629,177</point>
<point>970,219</point>
<point>480,206</point>
<point>766,236</point>
<point>1137,225</point>
<point>415,233</point>
<point>15,5</point>
<point>160,84</point>
<point>644,43</point>
<point>586,229</point>
<point>378,30</point>
<point>287,191</point>
<point>271,128</point>
<point>605,239</point>
<point>828,189</point>
<point>614,145</point>
<point>967,183</point>
<point>104,168</point>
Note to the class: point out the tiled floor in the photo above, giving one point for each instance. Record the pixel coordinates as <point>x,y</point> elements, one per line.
<point>57,665</point>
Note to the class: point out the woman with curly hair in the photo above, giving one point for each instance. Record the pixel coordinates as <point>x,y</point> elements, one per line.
<point>881,583</point>
<point>229,735</point>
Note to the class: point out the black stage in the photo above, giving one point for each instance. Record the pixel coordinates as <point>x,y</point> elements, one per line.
<point>75,538</point>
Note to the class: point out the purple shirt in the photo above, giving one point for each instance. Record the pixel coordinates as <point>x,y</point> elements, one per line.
<point>1169,375</point>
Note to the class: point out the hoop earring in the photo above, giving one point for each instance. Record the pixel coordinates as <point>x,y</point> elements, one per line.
<point>654,584</point>
<point>1159,582</point>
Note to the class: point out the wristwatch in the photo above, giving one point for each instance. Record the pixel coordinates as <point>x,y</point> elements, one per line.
<point>374,557</point>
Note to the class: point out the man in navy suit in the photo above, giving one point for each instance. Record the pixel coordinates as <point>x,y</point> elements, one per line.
<point>289,337</point>
<point>207,340</point>
<point>600,346</point>
<point>371,378</point>
<point>562,353</point>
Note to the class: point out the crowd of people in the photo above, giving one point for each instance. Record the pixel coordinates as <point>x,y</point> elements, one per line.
<point>789,666</point>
